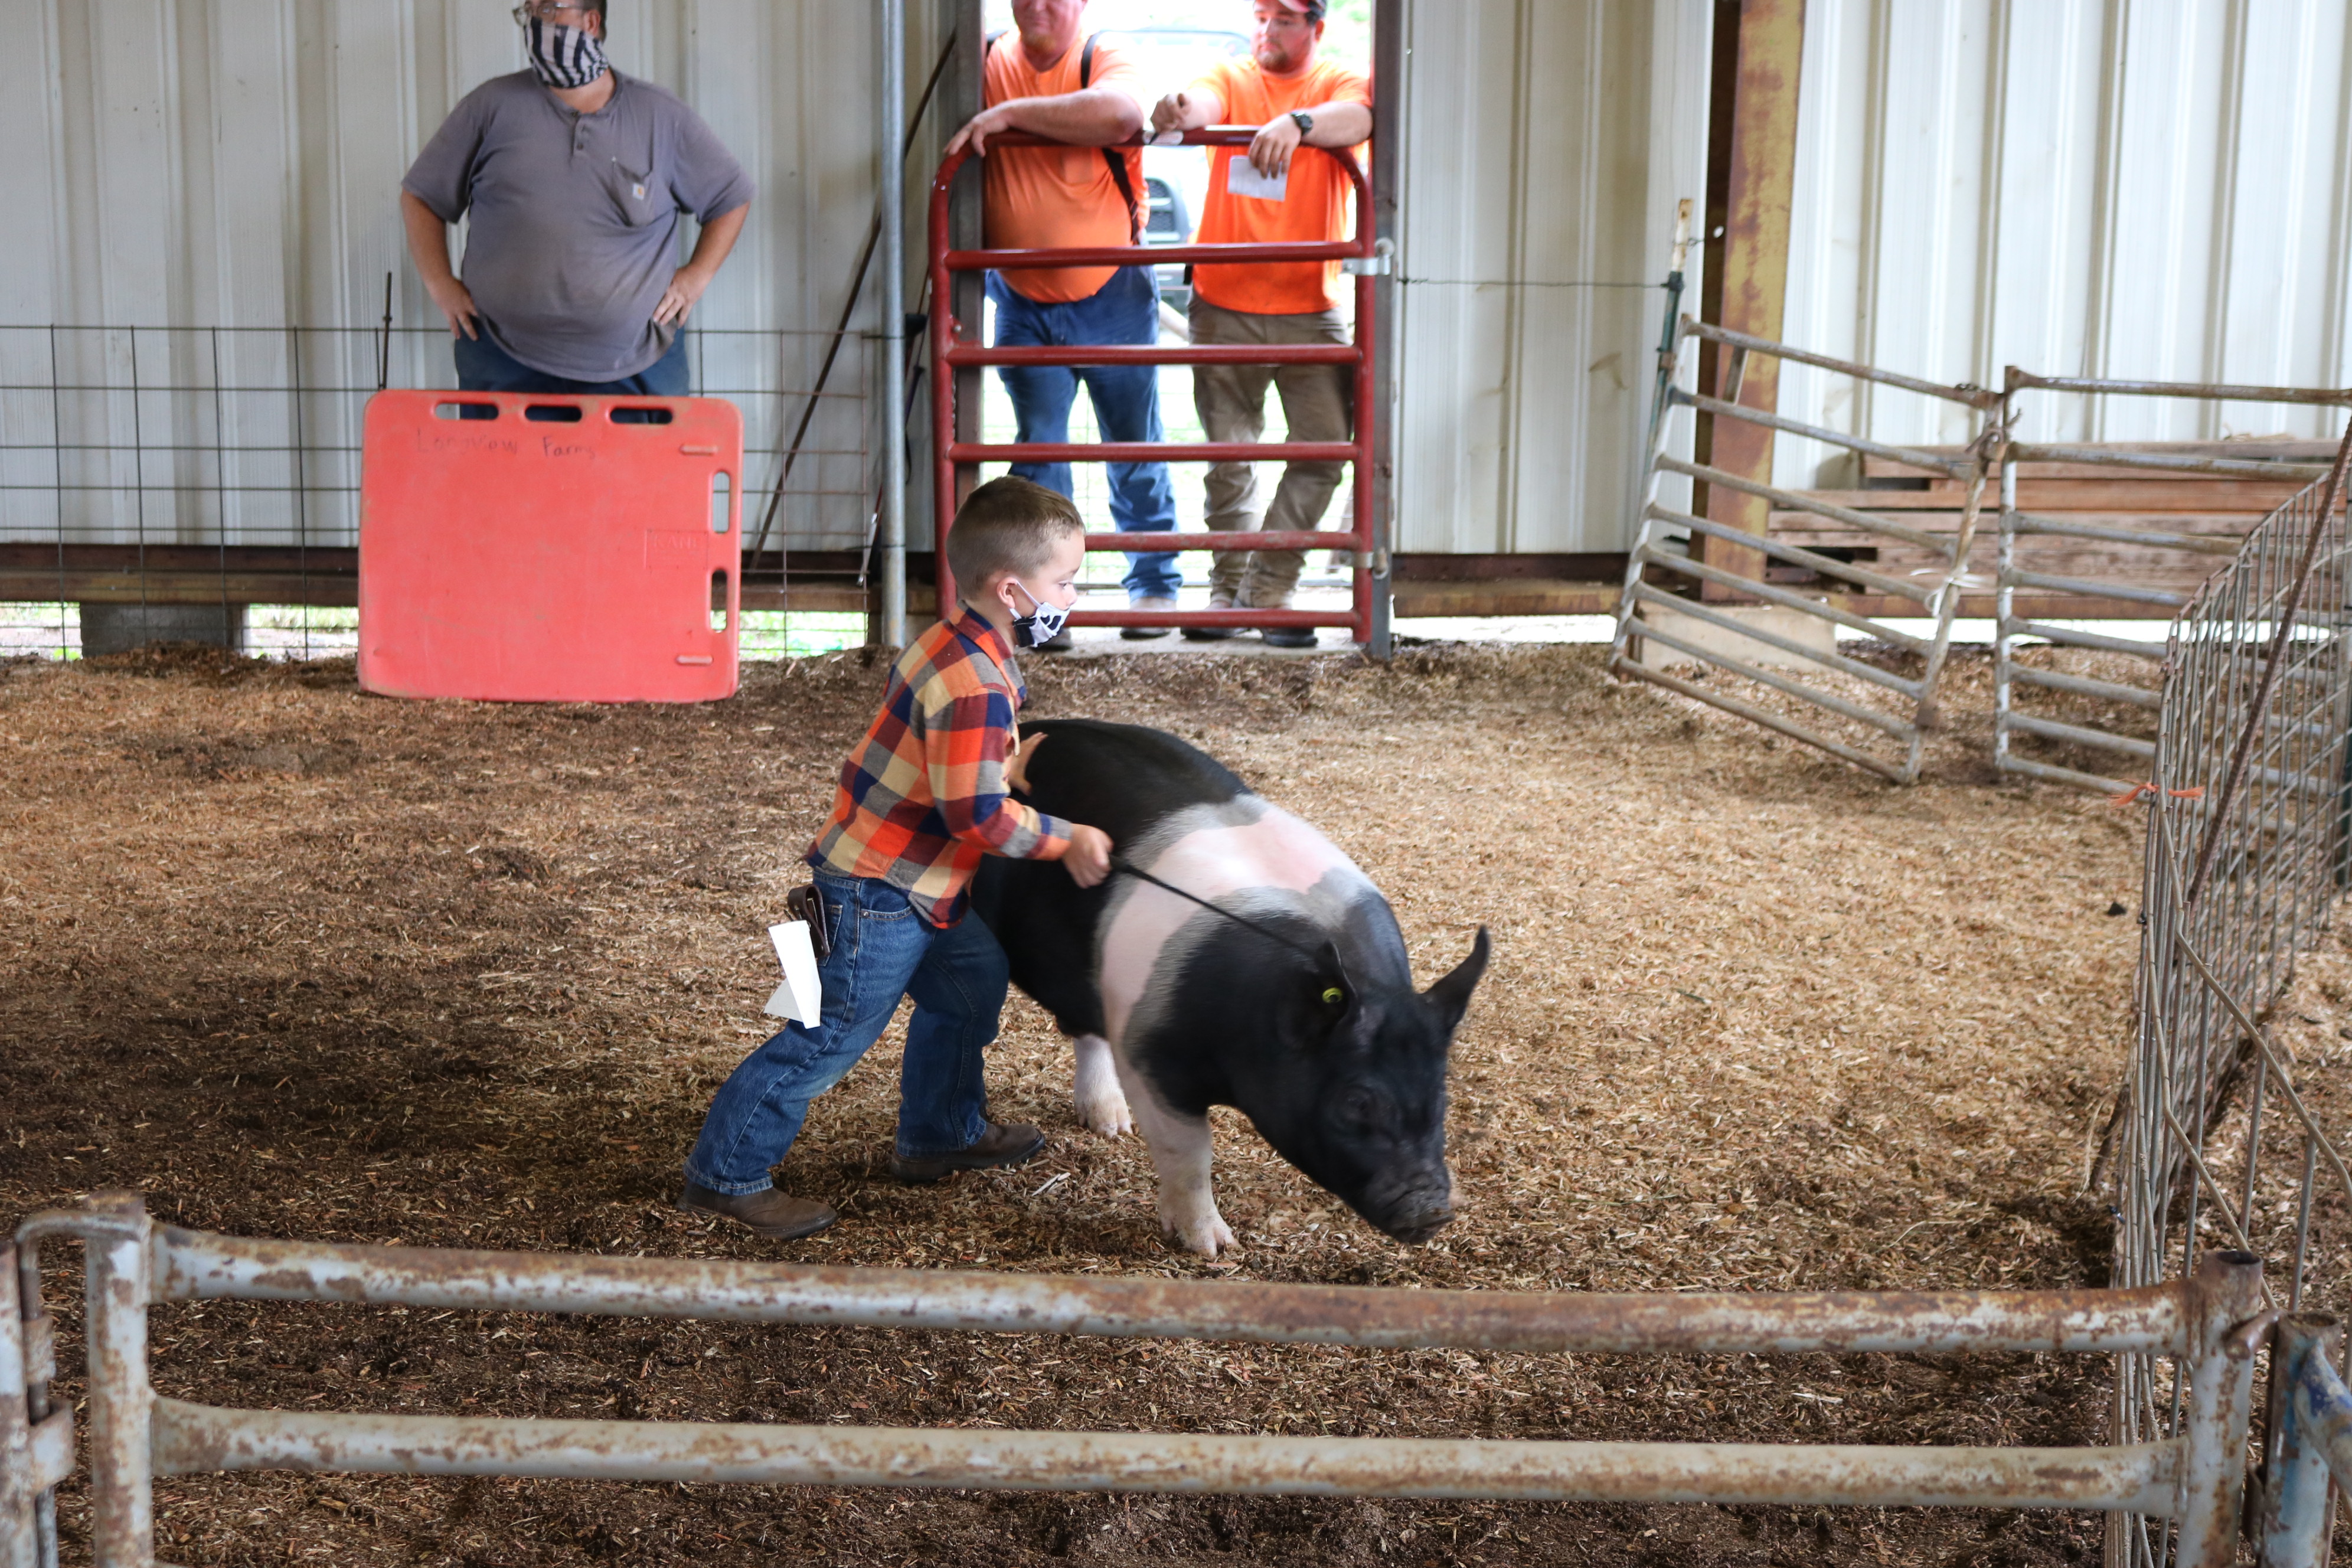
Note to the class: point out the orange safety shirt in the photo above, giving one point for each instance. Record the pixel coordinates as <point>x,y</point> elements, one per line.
<point>1035,197</point>
<point>1315,202</point>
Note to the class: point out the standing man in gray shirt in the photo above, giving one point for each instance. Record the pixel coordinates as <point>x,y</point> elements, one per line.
<point>575,176</point>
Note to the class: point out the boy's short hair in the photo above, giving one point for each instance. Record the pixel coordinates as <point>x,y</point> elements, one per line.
<point>1007,525</point>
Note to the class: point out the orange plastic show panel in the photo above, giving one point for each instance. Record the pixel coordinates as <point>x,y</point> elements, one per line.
<point>547,550</point>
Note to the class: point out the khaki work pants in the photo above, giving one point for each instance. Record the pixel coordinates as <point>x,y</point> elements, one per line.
<point>1318,403</point>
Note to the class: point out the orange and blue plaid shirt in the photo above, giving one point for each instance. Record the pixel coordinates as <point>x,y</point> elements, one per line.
<point>923,796</point>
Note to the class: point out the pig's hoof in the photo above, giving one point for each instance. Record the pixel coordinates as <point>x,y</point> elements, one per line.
<point>1208,1236</point>
<point>1101,1105</point>
<point>1106,1113</point>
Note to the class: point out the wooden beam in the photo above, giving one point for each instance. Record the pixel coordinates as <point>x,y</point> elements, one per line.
<point>1754,278</point>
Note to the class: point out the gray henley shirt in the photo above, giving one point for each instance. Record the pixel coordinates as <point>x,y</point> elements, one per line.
<point>574,228</point>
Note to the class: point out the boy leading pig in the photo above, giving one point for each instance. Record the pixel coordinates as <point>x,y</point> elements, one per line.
<point>922,799</point>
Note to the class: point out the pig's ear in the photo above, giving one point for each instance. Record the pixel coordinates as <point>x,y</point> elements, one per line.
<point>1450,998</point>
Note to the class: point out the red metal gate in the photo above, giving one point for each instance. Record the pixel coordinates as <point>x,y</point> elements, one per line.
<point>955,345</point>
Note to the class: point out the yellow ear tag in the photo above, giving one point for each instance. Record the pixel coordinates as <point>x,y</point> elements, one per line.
<point>1333,994</point>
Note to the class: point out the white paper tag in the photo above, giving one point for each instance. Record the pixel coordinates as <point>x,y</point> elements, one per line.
<point>801,998</point>
<point>1242,179</point>
<point>1166,139</point>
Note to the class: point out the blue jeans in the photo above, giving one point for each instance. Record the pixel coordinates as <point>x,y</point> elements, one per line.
<point>483,366</point>
<point>882,950</point>
<point>1126,309</point>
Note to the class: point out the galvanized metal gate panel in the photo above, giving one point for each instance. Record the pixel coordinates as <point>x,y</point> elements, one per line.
<point>2195,1479</point>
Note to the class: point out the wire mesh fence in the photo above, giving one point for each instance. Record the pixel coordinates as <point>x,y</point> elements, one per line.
<point>186,464</point>
<point>2249,801</point>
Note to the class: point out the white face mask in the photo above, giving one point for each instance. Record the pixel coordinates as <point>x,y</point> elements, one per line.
<point>1040,625</point>
<point>563,56</point>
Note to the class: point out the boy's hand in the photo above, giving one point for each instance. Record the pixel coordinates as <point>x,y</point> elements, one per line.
<point>1089,856</point>
<point>1016,766</point>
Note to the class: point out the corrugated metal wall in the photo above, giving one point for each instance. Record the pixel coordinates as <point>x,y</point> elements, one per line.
<point>2146,188</point>
<point>201,163</point>
<point>1546,144</point>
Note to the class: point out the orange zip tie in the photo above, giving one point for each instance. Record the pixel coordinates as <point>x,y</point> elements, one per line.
<point>2150,791</point>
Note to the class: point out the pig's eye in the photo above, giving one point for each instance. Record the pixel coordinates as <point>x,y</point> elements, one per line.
<point>1362,1107</point>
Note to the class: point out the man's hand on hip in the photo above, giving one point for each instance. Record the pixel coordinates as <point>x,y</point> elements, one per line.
<point>1270,149</point>
<point>685,288</point>
<point>458,306</point>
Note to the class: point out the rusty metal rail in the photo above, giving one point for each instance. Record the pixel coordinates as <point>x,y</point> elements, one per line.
<point>1649,611</point>
<point>191,1438</point>
<point>192,1266</point>
<point>2195,1479</point>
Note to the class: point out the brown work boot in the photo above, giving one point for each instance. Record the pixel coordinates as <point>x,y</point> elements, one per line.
<point>771,1213</point>
<point>1014,1144</point>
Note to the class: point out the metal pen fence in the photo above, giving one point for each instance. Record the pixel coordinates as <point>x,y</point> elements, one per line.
<point>1708,552</point>
<point>955,345</point>
<point>2193,1478</point>
<point>194,465</point>
<point>2249,802</point>
<point>2017,526</point>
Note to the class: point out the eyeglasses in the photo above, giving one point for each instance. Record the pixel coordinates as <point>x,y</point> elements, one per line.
<point>548,10</point>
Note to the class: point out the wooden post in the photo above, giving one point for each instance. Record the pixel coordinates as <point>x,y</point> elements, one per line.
<point>1755,277</point>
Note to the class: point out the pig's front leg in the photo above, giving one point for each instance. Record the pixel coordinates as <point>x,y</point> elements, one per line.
<point>1101,1106</point>
<point>1180,1153</point>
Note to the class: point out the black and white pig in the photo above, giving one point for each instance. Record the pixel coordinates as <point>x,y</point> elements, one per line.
<point>1315,1032</point>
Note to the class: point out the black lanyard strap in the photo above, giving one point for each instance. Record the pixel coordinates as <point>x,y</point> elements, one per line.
<point>1327,960</point>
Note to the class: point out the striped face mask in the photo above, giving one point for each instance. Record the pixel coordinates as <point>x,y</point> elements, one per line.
<point>563,56</point>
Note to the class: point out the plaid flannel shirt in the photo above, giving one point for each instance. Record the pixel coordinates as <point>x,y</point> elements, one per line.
<point>923,796</point>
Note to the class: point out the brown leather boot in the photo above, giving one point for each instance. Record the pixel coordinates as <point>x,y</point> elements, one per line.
<point>771,1213</point>
<point>999,1145</point>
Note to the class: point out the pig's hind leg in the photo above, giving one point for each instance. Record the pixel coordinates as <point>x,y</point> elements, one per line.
<point>1180,1153</point>
<point>1101,1105</point>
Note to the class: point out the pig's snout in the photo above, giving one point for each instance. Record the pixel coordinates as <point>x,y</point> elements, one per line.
<point>1418,1217</point>
<point>1420,1227</point>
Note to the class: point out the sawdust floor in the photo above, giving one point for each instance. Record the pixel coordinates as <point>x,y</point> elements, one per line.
<point>298,961</point>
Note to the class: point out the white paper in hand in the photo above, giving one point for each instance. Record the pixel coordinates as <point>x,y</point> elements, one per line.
<point>801,997</point>
<point>1242,179</point>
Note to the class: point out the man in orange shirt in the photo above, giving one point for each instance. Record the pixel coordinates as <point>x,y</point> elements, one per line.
<point>1043,79</point>
<point>1297,99</point>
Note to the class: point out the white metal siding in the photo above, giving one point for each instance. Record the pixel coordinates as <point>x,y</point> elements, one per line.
<point>2145,188</point>
<point>237,163</point>
<point>1546,144</point>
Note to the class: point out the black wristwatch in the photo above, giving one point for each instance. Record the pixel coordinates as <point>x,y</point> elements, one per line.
<point>1303,120</point>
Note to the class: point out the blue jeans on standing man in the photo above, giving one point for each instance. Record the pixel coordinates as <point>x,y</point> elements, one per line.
<point>882,950</point>
<point>1124,311</point>
<point>483,366</point>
